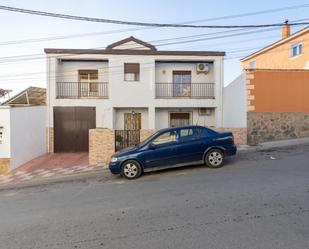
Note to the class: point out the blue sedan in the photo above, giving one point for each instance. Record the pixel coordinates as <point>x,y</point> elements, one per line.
<point>174,147</point>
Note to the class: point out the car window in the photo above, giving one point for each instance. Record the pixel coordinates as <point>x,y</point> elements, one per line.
<point>165,138</point>
<point>192,134</point>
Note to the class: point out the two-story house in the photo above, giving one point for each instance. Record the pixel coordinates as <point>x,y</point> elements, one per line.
<point>129,86</point>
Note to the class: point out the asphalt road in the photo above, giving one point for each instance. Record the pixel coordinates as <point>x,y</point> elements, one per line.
<point>252,202</point>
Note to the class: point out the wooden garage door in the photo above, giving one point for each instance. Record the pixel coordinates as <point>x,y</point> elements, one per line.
<point>71,127</point>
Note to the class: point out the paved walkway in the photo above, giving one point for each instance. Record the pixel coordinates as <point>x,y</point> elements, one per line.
<point>50,165</point>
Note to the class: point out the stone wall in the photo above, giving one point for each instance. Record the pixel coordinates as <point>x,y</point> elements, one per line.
<point>101,145</point>
<point>4,166</point>
<point>50,134</point>
<point>240,134</point>
<point>270,126</point>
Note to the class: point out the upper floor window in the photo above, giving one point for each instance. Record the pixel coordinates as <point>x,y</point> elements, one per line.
<point>252,64</point>
<point>296,49</point>
<point>131,71</point>
<point>88,80</point>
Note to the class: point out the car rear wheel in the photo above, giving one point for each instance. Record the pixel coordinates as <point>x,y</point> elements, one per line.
<point>214,158</point>
<point>131,169</point>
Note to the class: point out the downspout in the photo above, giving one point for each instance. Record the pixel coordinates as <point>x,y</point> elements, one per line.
<point>48,105</point>
<point>222,90</point>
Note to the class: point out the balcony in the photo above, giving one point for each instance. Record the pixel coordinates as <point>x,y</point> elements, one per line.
<point>185,90</point>
<point>77,90</point>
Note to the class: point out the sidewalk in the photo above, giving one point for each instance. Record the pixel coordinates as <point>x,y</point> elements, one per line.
<point>50,166</point>
<point>274,144</point>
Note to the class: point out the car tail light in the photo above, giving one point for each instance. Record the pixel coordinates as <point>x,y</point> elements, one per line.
<point>232,139</point>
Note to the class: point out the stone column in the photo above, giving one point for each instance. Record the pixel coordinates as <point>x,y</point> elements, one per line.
<point>101,145</point>
<point>4,166</point>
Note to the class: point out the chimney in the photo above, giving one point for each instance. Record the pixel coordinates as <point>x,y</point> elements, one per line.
<point>286,30</point>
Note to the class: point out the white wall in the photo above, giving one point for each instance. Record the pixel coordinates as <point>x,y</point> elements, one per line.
<point>5,146</point>
<point>67,71</point>
<point>27,134</point>
<point>162,117</point>
<point>234,104</point>
<point>139,94</point>
<point>164,72</point>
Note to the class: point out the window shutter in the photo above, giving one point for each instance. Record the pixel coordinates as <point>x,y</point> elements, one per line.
<point>131,68</point>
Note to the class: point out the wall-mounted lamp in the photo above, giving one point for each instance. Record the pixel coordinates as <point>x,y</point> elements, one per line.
<point>1,134</point>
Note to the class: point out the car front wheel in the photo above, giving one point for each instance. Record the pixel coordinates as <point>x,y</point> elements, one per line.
<point>214,158</point>
<point>131,169</point>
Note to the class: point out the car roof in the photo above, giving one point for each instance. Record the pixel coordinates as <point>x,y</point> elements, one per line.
<point>182,127</point>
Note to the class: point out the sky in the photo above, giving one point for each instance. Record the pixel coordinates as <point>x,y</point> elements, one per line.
<point>17,74</point>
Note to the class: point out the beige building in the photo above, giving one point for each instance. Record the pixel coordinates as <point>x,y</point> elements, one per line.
<point>291,52</point>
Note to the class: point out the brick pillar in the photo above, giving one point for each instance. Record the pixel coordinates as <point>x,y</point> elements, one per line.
<point>4,166</point>
<point>101,145</point>
<point>50,139</point>
<point>250,89</point>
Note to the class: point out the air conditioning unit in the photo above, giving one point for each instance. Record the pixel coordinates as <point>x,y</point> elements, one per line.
<point>202,68</point>
<point>204,111</point>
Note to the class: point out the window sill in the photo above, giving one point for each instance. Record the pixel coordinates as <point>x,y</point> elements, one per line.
<point>295,56</point>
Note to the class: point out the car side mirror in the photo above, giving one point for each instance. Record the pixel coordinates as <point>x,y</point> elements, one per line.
<point>152,146</point>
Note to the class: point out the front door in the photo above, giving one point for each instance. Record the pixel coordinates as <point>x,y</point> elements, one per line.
<point>179,119</point>
<point>132,121</point>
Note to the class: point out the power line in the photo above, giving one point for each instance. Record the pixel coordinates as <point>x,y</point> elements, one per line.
<point>13,42</point>
<point>226,34</point>
<point>144,66</point>
<point>144,24</point>
<point>252,13</point>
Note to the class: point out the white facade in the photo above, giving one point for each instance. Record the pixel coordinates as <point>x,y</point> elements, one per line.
<point>234,104</point>
<point>24,136</point>
<point>138,96</point>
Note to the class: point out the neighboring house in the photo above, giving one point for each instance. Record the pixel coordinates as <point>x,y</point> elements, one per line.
<point>22,128</point>
<point>274,91</point>
<point>291,52</point>
<point>129,86</point>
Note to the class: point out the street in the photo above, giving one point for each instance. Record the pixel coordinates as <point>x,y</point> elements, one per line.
<point>258,200</point>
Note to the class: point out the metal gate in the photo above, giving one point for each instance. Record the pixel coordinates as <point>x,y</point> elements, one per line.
<point>71,128</point>
<point>126,138</point>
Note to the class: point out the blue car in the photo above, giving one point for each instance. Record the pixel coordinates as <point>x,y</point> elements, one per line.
<point>174,147</point>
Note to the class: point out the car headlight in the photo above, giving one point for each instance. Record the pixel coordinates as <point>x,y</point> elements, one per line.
<point>114,159</point>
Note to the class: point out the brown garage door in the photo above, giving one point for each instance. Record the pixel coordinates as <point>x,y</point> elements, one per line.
<point>71,127</point>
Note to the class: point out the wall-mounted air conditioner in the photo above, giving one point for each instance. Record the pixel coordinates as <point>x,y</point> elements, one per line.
<point>204,111</point>
<point>202,68</point>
